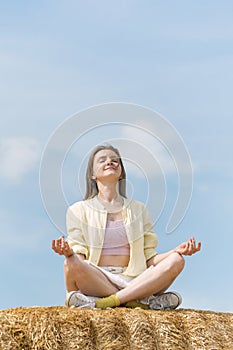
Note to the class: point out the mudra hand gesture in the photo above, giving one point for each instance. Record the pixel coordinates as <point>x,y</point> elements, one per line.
<point>189,247</point>
<point>61,247</point>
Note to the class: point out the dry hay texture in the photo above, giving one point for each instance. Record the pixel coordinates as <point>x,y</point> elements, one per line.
<point>42,328</point>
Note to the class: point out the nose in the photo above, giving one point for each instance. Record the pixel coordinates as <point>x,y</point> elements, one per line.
<point>109,161</point>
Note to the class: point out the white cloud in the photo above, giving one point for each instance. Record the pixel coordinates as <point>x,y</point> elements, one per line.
<point>18,156</point>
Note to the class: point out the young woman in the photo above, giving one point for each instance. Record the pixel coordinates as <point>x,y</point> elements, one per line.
<point>110,257</point>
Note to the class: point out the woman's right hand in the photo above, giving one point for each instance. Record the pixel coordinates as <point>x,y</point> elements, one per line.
<point>188,248</point>
<point>61,247</point>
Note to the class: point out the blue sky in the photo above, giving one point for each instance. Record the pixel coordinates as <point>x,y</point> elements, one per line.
<point>60,57</point>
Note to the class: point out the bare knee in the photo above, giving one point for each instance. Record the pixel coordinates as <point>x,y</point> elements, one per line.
<point>74,263</point>
<point>178,262</point>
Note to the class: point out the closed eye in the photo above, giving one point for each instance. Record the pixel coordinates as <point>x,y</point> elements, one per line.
<point>103,159</point>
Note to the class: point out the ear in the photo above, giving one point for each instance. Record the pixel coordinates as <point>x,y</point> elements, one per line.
<point>93,177</point>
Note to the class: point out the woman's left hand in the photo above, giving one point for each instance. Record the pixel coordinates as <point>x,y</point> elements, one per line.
<point>61,247</point>
<point>189,247</point>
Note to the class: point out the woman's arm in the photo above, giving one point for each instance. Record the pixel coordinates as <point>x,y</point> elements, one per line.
<point>185,248</point>
<point>76,231</point>
<point>150,238</point>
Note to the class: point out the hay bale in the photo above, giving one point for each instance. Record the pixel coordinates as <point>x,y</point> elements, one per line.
<point>60,328</point>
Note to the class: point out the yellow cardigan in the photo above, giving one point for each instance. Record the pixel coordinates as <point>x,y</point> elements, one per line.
<point>86,222</point>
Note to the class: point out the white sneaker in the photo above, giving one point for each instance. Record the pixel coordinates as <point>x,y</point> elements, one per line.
<point>165,301</point>
<point>77,299</point>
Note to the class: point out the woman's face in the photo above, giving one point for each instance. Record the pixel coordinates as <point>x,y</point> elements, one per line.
<point>106,166</point>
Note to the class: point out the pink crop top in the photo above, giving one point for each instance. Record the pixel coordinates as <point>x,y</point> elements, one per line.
<point>115,239</point>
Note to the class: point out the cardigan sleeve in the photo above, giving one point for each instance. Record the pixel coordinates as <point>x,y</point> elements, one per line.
<point>150,238</point>
<point>76,237</point>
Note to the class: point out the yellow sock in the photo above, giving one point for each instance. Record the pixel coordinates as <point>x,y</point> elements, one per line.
<point>133,304</point>
<point>111,301</point>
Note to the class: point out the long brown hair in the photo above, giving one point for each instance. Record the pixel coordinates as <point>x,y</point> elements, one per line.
<point>91,186</point>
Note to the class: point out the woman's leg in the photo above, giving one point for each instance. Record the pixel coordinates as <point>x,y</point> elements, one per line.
<point>81,276</point>
<point>155,280</point>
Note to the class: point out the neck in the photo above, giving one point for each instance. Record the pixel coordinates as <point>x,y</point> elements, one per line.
<point>108,193</point>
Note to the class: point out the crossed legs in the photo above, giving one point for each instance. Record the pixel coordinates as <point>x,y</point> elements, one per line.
<point>81,276</point>
<point>155,280</point>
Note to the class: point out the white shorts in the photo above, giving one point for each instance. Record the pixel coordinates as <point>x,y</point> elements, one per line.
<point>114,274</point>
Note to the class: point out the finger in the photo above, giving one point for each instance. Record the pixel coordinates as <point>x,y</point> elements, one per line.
<point>190,248</point>
<point>193,241</point>
<point>56,250</point>
<point>62,242</point>
<point>190,244</point>
<point>53,243</point>
<point>66,246</point>
<point>59,241</point>
<point>185,248</point>
<point>197,248</point>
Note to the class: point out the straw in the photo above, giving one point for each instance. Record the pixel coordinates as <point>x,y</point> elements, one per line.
<point>60,328</point>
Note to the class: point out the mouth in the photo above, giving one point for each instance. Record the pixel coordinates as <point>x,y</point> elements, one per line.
<point>110,168</point>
